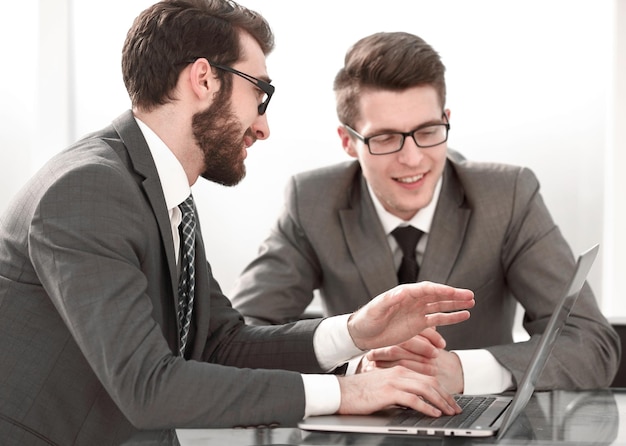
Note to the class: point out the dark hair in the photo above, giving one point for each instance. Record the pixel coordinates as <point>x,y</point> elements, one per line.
<point>389,61</point>
<point>172,33</point>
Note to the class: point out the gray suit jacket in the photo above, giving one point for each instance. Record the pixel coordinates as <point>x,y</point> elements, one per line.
<point>88,325</point>
<point>491,233</point>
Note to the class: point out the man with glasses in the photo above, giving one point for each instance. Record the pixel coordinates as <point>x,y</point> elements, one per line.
<point>111,321</point>
<point>475,225</point>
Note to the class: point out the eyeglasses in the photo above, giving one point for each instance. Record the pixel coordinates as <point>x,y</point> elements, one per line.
<point>425,136</point>
<point>267,88</point>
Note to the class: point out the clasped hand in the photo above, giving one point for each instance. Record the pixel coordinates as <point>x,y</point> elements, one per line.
<point>424,354</point>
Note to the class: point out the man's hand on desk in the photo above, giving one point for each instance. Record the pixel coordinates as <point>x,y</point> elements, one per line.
<point>407,310</point>
<point>424,354</point>
<point>365,393</point>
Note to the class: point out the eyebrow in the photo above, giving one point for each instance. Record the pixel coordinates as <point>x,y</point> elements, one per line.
<point>392,130</point>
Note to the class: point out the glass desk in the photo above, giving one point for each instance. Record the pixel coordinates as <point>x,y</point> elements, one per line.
<point>558,417</point>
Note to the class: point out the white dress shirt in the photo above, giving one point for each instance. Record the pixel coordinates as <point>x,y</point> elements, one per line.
<point>482,373</point>
<point>332,342</point>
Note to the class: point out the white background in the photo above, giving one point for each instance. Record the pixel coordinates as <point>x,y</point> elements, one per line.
<point>530,82</point>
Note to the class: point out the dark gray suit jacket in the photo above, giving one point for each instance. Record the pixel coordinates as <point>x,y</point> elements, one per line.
<point>491,233</point>
<point>88,321</point>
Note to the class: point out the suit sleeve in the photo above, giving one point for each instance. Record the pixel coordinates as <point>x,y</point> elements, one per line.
<point>89,246</point>
<point>538,262</point>
<point>277,286</point>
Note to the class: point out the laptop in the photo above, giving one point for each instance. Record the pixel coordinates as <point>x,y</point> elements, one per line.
<point>483,415</point>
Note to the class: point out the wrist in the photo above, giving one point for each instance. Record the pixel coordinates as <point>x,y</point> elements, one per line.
<point>351,332</point>
<point>459,381</point>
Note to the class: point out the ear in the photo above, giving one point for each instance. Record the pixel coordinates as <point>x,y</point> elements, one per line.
<point>202,81</point>
<point>447,112</point>
<point>346,141</point>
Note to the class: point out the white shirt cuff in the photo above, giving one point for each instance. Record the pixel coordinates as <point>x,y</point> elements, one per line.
<point>333,347</point>
<point>333,344</point>
<point>482,373</point>
<point>322,394</point>
<point>353,364</point>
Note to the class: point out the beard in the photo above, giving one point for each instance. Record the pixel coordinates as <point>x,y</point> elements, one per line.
<point>220,135</point>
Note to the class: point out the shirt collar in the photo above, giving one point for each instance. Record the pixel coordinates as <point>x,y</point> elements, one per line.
<point>422,220</point>
<point>171,173</point>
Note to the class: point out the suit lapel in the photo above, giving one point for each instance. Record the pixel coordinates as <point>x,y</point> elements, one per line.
<point>447,230</point>
<point>366,240</point>
<point>142,162</point>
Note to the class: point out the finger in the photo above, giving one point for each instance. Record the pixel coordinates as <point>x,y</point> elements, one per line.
<point>387,357</point>
<point>440,398</point>
<point>422,406</point>
<point>423,392</point>
<point>444,306</point>
<point>447,318</point>
<point>431,292</point>
<point>417,348</point>
<point>434,337</point>
<point>422,368</point>
<point>426,344</point>
<point>443,401</point>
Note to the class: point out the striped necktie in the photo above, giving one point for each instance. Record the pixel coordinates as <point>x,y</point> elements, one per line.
<point>187,280</point>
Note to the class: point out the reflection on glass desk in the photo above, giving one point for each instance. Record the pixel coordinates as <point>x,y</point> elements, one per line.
<point>558,417</point>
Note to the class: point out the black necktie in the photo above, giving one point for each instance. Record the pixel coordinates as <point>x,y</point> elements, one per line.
<point>187,280</point>
<point>407,237</point>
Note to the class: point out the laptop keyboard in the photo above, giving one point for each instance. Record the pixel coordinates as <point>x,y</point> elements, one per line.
<point>472,407</point>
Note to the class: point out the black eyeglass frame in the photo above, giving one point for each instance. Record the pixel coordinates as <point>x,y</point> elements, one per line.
<point>366,140</point>
<point>265,87</point>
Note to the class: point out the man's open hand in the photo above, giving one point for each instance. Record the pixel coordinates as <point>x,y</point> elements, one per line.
<point>405,311</point>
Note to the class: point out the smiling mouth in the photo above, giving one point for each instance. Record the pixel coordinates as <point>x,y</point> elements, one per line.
<point>409,180</point>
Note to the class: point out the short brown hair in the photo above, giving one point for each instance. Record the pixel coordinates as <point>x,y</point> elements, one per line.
<point>171,33</point>
<point>386,61</point>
